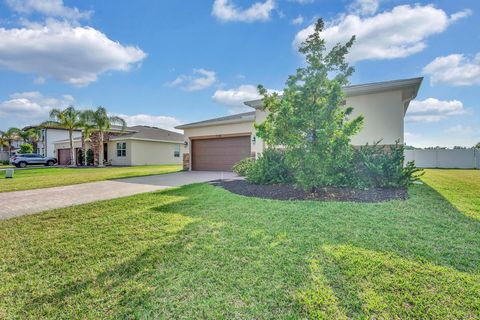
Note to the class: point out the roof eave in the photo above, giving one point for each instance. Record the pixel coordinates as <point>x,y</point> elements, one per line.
<point>368,88</point>
<point>216,123</point>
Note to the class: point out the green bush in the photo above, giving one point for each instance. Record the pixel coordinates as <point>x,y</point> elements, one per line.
<point>269,168</point>
<point>90,157</point>
<point>26,148</point>
<point>241,167</point>
<point>383,167</point>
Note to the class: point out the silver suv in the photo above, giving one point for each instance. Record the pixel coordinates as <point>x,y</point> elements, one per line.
<point>22,160</point>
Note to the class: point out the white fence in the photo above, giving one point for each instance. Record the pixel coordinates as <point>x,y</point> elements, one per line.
<point>444,158</point>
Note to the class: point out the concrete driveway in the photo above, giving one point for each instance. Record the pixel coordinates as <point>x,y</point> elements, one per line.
<point>19,203</point>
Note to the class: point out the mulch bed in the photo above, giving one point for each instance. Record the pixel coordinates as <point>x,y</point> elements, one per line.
<point>289,192</point>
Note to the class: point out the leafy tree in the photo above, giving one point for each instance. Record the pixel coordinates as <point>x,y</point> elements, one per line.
<point>477,145</point>
<point>102,123</point>
<point>69,119</point>
<point>26,148</point>
<point>7,137</point>
<point>309,120</point>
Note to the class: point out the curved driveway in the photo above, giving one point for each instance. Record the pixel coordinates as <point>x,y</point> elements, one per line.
<point>19,203</point>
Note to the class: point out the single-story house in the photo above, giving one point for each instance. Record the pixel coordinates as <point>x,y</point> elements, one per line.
<point>217,144</point>
<point>137,145</point>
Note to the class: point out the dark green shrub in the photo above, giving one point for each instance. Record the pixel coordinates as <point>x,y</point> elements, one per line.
<point>26,148</point>
<point>89,157</point>
<point>241,167</point>
<point>383,167</point>
<point>269,168</point>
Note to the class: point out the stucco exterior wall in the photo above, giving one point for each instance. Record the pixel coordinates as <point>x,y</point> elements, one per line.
<point>112,154</point>
<point>51,137</point>
<point>152,152</point>
<point>383,117</point>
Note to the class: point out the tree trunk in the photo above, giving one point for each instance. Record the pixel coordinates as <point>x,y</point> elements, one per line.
<point>100,154</point>
<point>9,144</point>
<point>73,162</point>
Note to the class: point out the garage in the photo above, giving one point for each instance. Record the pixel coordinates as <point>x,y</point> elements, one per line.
<point>63,157</point>
<point>219,154</point>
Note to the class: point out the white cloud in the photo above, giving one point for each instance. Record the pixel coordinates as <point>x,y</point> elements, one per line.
<point>454,69</point>
<point>73,54</point>
<point>26,108</point>
<point>201,79</point>
<point>164,122</point>
<point>298,20</point>
<point>398,33</point>
<point>234,99</point>
<point>433,110</point>
<point>49,8</point>
<point>226,10</point>
<point>364,7</point>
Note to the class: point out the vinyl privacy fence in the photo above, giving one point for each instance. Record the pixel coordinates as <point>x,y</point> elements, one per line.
<point>441,158</point>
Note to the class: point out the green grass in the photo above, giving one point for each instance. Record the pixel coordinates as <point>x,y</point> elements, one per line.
<point>460,187</point>
<point>54,177</point>
<point>202,252</point>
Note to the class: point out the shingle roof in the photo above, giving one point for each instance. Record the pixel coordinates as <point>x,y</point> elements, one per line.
<point>150,133</point>
<point>247,116</point>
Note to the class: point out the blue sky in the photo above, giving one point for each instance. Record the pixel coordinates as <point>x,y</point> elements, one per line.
<point>169,62</point>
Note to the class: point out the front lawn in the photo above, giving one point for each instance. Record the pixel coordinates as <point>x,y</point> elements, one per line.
<point>35,178</point>
<point>460,187</point>
<point>202,252</point>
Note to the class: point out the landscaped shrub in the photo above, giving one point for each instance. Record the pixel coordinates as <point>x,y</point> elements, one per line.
<point>26,148</point>
<point>241,167</point>
<point>90,157</point>
<point>269,168</point>
<point>383,167</point>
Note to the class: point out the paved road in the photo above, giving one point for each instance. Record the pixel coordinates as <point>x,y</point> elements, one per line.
<point>19,203</point>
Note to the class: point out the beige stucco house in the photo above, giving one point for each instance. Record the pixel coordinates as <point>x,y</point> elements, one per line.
<point>137,145</point>
<point>217,144</point>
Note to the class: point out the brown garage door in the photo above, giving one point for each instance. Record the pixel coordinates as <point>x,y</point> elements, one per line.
<point>63,156</point>
<point>219,154</point>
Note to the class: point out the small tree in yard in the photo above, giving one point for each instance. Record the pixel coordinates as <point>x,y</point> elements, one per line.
<point>26,148</point>
<point>309,121</point>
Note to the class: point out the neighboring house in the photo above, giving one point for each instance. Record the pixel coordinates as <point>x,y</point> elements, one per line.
<point>49,136</point>
<point>217,144</point>
<point>137,145</point>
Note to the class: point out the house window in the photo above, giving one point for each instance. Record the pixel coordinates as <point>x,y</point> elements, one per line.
<point>176,153</point>
<point>121,149</point>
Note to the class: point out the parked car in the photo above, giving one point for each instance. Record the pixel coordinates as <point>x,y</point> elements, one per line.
<point>22,160</point>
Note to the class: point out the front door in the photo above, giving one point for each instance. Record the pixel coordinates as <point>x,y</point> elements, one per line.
<point>105,152</point>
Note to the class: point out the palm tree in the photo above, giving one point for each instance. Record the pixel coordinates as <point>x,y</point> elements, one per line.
<point>35,135</point>
<point>7,138</point>
<point>87,129</point>
<point>69,119</point>
<point>103,122</point>
<point>24,134</point>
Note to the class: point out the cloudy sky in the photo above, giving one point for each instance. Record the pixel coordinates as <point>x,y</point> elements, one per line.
<point>169,62</point>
